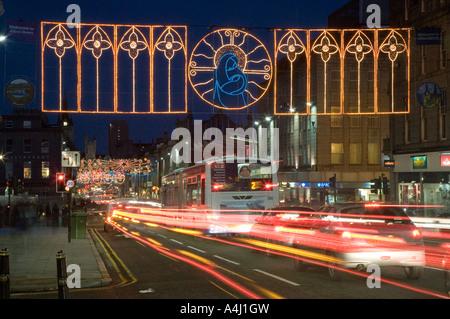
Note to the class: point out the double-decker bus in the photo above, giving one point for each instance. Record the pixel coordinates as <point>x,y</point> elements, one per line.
<point>220,196</point>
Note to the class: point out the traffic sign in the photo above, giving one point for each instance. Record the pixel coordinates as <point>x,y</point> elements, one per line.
<point>70,159</point>
<point>70,183</point>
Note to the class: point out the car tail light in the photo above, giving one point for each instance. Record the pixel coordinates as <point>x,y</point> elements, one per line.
<point>346,234</point>
<point>416,234</point>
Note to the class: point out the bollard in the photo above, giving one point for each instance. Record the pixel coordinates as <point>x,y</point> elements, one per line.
<point>4,274</point>
<point>63,290</point>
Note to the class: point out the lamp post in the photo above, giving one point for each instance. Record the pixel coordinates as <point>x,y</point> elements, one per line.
<point>3,38</point>
<point>9,187</point>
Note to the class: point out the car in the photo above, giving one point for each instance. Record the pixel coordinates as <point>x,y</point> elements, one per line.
<point>271,225</point>
<point>446,268</point>
<point>355,235</point>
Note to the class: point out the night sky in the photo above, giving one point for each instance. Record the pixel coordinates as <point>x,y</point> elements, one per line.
<point>23,57</point>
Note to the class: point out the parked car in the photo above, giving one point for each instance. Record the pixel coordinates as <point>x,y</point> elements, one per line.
<point>359,234</point>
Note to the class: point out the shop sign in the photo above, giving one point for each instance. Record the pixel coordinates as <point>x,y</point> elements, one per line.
<point>428,36</point>
<point>389,163</point>
<point>419,162</point>
<point>445,159</point>
<point>429,95</point>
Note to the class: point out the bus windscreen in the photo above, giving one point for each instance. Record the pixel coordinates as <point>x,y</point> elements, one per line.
<point>241,177</point>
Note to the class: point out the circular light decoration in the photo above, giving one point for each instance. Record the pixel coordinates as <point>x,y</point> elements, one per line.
<point>230,69</point>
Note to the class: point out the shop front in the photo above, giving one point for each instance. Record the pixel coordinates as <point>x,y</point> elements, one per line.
<point>424,179</point>
<point>317,194</point>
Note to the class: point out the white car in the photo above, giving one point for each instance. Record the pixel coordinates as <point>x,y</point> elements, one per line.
<point>359,234</point>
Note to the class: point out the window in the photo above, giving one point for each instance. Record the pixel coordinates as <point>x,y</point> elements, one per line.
<point>355,153</point>
<point>374,156</point>
<point>373,121</point>
<point>45,169</point>
<point>407,129</point>
<point>26,124</point>
<point>337,153</point>
<point>27,170</point>
<point>9,124</point>
<point>353,81</point>
<point>443,126</point>
<point>355,121</point>
<point>443,116</point>
<point>370,81</point>
<point>443,50</point>
<point>406,10</point>
<point>336,120</point>
<point>9,145</point>
<point>444,101</point>
<point>424,127</point>
<point>27,145</point>
<point>423,59</point>
<point>45,146</point>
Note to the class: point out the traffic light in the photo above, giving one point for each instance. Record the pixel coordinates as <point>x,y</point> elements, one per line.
<point>332,181</point>
<point>385,186</point>
<point>375,185</point>
<point>60,182</point>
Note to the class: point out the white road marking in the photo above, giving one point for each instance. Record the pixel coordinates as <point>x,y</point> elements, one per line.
<point>227,260</point>
<point>277,277</point>
<point>176,241</point>
<point>202,251</point>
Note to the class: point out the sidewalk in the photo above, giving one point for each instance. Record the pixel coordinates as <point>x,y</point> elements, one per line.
<point>32,258</point>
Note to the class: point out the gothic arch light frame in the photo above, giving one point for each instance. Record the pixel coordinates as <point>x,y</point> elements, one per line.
<point>390,43</point>
<point>321,49</point>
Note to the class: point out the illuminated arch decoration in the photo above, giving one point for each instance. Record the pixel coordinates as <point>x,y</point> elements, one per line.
<point>394,46</point>
<point>59,40</point>
<point>293,48</point>
<point>358,54</point>
<point>111,172</point>
<point>341,71</point>
<point>230,69</point>
<point>134,43</point>
<point>170,54</point>
<point>96,42</point>
<point>109,68</point>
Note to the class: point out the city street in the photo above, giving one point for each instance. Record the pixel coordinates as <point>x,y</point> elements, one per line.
<point>221,157</point>
<point>181,266</point>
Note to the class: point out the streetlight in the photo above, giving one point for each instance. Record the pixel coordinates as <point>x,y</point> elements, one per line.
<point>2,37</point>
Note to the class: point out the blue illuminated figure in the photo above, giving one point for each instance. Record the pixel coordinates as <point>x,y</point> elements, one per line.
<point>230,81</point>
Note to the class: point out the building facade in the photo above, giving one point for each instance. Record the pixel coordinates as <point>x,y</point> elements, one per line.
<point>317,148</point>
<point>419,142</point>
<point>120,145</point>
<point>31,152</point>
